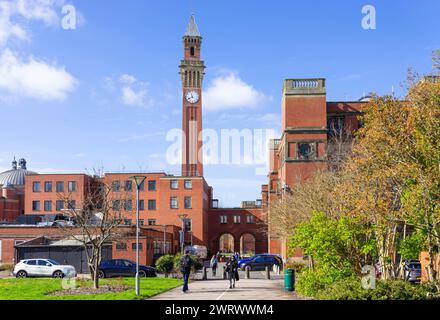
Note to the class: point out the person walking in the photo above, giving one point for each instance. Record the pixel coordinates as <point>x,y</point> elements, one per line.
<point>214,265</point>
<point>185,268</point>
<point>232,271</point>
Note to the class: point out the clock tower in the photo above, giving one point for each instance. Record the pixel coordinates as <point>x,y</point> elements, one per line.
<point>192,70</point>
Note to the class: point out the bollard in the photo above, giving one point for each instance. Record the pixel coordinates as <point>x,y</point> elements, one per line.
<point>267,273</point>
<point>248,272</point>
<point>205,273</point>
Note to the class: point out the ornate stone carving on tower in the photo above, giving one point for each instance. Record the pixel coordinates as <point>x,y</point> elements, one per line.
<point>192,71</point>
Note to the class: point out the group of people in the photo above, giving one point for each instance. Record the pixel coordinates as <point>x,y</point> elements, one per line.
<point>231,268</point>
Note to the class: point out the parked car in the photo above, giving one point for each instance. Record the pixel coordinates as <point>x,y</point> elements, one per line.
<point>242,261</point>
<point>43,268</point>
<point>124,268</point>
<point>413,271</point>
<point>260,262</point>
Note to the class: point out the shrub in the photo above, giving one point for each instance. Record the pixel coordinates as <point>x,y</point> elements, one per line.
<point>165,264</point>
<point>297,266</point>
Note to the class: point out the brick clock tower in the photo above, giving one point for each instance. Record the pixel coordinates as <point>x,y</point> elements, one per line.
<point>192,71</point>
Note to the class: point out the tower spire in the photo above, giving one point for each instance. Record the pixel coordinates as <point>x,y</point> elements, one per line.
<point>192,30</point>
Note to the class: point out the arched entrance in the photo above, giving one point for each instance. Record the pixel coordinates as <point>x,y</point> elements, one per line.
<point>226,243</point>
<point>247,244</point>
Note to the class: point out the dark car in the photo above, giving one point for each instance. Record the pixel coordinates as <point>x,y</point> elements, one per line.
<point>242,261</point>
<point>413,271</point>
<point>123,268</point>
<point>260,262</point>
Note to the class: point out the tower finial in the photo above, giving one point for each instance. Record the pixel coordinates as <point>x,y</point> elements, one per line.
<point>14,164</point>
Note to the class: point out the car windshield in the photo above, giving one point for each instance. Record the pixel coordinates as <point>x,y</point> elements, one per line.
<point>415,266</point>
<point>53,262</point>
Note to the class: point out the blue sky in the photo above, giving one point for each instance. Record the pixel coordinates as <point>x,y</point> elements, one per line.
<point>107,93</point>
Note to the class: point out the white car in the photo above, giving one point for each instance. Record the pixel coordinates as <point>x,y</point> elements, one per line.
<point>43,268</point>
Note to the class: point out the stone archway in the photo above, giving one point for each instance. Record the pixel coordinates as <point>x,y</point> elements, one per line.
<point>226,243</point>
<point>247,244</point>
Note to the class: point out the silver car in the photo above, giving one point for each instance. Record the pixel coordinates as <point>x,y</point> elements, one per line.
<point>43,268</point>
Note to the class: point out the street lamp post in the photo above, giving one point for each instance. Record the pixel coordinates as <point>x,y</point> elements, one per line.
<point>182,242</point>
<point>139,180</point>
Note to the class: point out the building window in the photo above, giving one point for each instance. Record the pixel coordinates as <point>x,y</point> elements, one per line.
<point>128,222</point>
<point>250,219</point>
<point>128,205</point>
<point>188,225</point>
<point>48,186</point>
<point>116,205</point>
<point>151,205</point>
<point>72,186</point>
<point>237,219</point>
<point>173,203</point>
<point>121,246</point>
<point>36,187</point>
<point>116,186</point>
<point>128,186</point>
<point>336,126</point>
<point>174,184</point>
<point>223,219</point>
<point>152,222</point>
<point>141,222</point>
<point>133,246</point>
<point>188,202</point>
<point>188,184</point>
<point>152,185</point>
<point>71,204</point>
<point>214,203</point>
<point>306,151</point>
<point>60,205</point>
<point>47,206</point>
<point>259,203</point>
<point>60,186</point>
<point>141,205</point>
<point>35,205</point>
<point>192,51</point>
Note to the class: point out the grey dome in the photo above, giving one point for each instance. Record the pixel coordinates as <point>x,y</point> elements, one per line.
<point>16,176</point>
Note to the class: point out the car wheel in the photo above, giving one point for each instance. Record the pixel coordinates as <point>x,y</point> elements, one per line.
<point>101,274</point>
<point>58,275</point>
<point>142,274</point>
<point>21,274</point>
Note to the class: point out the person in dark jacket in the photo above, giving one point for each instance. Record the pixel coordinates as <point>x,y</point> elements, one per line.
<point>185,268</point>
<point>232,271</point>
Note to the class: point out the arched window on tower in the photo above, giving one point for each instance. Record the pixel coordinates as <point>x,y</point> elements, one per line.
<point>192,51</point>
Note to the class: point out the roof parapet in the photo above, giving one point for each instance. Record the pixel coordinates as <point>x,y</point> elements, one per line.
<point>311,86</point>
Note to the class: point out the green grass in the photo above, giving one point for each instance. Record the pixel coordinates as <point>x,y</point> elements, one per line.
<point>38,289</point>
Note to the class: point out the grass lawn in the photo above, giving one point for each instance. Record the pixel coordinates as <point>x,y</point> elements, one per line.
<point>38,289</point>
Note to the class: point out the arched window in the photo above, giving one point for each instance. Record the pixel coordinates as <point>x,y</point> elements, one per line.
<point>192,51</point>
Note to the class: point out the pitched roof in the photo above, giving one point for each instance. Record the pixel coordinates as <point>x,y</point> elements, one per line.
<point>192,30</point>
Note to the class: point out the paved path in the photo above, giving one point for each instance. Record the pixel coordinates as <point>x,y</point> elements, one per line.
<point>252,289</point>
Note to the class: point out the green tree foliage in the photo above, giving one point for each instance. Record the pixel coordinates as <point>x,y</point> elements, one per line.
<point>165,264</point>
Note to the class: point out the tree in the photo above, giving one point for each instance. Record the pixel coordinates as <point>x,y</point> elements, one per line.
<point>98,219</point>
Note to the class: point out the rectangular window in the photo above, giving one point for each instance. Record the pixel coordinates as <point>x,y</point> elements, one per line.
<point>173,203</point>
<point>60,205</point>
<point>250,218</point>
<point>35,205</point>
<point>237,219</point>
<point>36,187</point>
<point>214,203</point>
<point>47,206</point>
<point>174,184</point>
<point>121,246</point>
<point>128,222</point>
<point>151,185</point>
<point>188,184</point>
<point>152,222</point>
<point>60,186</point>
<point>128,186</point>
<point>141,205</point>
<point>223,219</point>
<point>116,205</point>
<point>71,186</point>
<point>116,186</point>
<point>71,204</point>
<point>128,205</point>
<point>133,246</point>
<point>151,204</point>
<point>141,222</point>
<point>48,186</point>
<point>188,202</point>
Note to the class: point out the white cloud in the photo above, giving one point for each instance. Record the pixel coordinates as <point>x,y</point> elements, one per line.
<point>34,78</point>
<point>229,91</point>
<point>13,13</point>
<point>132,91</point>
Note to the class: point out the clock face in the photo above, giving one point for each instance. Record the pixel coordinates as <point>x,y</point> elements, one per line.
<point>192,96</point>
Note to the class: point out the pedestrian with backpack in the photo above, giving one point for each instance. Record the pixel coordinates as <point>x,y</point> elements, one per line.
<point>185,268</point>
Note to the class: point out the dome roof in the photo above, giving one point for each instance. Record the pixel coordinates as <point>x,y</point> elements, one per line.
<point>16,176</point>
